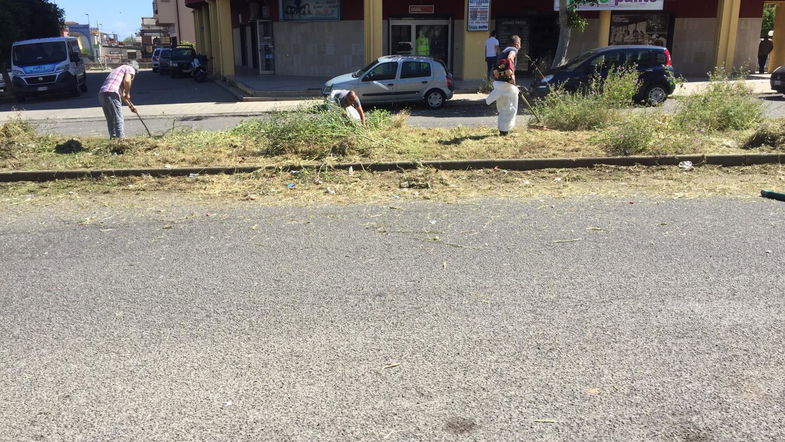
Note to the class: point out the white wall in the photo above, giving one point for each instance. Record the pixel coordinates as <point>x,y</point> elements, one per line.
<point>747,43</point>
<point>318,49</point>
<point>693,46</point>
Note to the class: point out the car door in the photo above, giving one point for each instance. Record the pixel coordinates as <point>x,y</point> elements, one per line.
<point>378,84</point>
<point>414,80</point>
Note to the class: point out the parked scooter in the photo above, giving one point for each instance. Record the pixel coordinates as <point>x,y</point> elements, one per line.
<point>199,71</point>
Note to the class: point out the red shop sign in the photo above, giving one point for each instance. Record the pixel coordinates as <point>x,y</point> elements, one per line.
<point>422,9</point>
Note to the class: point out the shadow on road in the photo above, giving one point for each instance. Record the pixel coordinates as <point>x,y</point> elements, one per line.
<point>148,88</point>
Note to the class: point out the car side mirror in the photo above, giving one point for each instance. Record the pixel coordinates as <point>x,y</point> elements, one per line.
<point>76,57</point>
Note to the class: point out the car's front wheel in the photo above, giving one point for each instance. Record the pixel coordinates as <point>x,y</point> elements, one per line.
<point>434,99</point>
<point>655,94</point>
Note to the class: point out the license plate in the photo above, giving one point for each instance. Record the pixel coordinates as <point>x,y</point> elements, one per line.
<point>42,88</point>
<point>777,82</point>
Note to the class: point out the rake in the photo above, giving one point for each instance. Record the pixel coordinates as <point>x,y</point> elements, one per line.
<point>140,118</point>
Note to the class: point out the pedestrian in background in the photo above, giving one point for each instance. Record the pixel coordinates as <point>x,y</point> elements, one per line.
<point>116,90</point>
<point>505,91</point>
<point>491,52</point>
<point>764,48</point>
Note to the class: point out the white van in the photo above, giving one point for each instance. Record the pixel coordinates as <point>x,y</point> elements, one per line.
<point>47,66</point>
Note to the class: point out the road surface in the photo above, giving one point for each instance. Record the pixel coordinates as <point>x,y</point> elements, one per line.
<point>570,319</point>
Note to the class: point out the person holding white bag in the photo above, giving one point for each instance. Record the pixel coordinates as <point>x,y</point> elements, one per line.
<point>505,92</point>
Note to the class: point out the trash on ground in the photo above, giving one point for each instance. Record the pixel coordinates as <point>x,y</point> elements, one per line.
<point>351,170</point>
<point>391,365</point>
<point>193,175</point>
<point>291,186</point>
<point>561,241</point>
<point>773,195</point>
<point>685,165</point>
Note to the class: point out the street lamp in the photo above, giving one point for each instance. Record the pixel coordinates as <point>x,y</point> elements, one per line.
<point>89,36</point>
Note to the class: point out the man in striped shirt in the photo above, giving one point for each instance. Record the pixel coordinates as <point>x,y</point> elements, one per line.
<point>115,90</point>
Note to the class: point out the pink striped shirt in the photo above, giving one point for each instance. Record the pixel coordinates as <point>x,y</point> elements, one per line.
<point>115,79</point>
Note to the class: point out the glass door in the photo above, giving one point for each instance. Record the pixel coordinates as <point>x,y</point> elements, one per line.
<point>265,46</point>
<point>431,38</point>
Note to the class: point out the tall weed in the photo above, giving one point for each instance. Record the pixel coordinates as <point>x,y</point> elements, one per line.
<point>592,108</point>
<point>316,132</point>
<point>727,104</point>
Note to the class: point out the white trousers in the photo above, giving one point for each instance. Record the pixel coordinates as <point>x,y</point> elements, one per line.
<point>506,97</point>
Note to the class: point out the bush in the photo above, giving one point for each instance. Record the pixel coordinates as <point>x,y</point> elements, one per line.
<point>593,108</point>
<point>13,134</point>
<point>725,105</point>
<point>769,133</point>
<point>316,131</point>
<point>619,88</point>
<point>634,136</point>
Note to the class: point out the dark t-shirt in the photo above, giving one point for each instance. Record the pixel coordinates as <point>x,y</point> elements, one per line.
<point>765,47</point>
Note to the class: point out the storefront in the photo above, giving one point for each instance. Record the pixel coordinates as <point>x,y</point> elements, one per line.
<point>322,38</point>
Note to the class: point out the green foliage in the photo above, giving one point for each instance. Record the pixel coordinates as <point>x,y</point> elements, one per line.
<point>26,19</point>
<point>769,133</point>
<point>634,136</point>
<point>649,133</point>
<point>592,108</point>
<point>315,132</point>
<point>769,12</point>
<point>725,105</point>
<point>574,19</point>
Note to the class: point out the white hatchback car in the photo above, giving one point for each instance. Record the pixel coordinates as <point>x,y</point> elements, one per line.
<point>398,78</point>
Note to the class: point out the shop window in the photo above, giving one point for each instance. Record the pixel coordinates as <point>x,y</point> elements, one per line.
<point>415,69</point>
<point>640,29</point>
<point>382,72</point>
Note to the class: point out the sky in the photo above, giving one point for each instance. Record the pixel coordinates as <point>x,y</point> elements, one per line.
<point>121,17</point>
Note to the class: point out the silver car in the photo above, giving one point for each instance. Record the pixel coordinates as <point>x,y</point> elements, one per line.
<point>398,78</point>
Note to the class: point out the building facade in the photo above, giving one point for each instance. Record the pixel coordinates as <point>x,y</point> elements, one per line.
<point>175,18</point>
<point>323,38</point>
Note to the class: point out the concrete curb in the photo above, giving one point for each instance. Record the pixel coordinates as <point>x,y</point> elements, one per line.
<point>512,164</point>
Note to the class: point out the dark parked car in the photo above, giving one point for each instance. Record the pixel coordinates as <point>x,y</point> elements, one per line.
<point>653,63</point>
<point>181,60</point>
<point>164,60</point>
<point>778,79</point>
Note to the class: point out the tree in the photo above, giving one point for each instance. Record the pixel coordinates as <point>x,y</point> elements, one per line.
<point>569,19</point>
<point>769,11</point>
<point>25,19</point>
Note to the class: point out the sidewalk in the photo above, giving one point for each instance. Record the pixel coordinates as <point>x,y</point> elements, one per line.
<point>252,107</point>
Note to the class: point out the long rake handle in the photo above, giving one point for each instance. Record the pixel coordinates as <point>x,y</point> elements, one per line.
<point>140,118</point>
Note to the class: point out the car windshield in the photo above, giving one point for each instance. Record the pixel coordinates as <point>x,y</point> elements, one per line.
<point>39,53</point>
<point>577,61</point>
<point>364,70</point>
<point>166,53</point>
<point>182,53</point>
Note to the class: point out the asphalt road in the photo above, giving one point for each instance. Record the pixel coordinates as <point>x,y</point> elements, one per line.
<point>574,319</point>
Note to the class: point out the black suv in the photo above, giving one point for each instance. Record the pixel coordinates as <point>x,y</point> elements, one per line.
<point>182,57</point>
<point>653,63</point>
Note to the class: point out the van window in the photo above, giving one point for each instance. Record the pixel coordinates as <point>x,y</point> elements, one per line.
<point>415,69</point>
<point>384,71</point>
<point>39,53</point>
